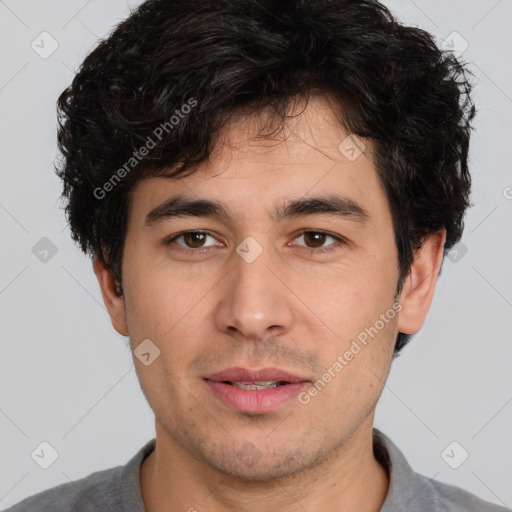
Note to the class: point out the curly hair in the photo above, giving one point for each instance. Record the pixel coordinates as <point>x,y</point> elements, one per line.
<point>205,60</point>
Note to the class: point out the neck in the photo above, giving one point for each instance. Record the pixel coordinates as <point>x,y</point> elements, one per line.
<point>350,478</point>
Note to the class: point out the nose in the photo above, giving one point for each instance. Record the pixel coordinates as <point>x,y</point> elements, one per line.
<point>255,302</point>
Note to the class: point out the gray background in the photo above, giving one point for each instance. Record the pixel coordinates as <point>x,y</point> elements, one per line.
<point>67,377</point>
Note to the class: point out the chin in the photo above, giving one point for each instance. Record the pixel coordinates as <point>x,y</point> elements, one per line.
<point>251,465</point>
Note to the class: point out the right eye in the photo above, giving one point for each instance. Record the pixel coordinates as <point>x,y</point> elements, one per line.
<point>192,240</point>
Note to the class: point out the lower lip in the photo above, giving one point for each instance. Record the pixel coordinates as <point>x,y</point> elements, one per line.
<point>255,401</point>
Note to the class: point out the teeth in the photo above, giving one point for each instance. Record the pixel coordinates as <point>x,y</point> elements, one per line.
<point>265,384</point>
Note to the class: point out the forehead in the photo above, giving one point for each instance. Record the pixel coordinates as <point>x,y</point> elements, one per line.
<point>310,156</point>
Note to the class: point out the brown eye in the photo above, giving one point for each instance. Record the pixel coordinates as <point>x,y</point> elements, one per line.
<point>191,240</point>
<point>194,239</point>
<point>314,239</point>
<point>317,239</point>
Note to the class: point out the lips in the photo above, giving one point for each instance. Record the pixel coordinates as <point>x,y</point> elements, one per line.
<point>255,391</point>
<point>250,376</point>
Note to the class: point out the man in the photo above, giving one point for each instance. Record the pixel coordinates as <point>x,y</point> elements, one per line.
<point>267,190</point>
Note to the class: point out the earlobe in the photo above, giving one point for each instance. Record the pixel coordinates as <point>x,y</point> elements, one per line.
<point>113,300</point>
<point>419,286</point>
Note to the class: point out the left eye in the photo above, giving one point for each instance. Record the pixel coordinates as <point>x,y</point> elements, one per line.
<point>316,238</point>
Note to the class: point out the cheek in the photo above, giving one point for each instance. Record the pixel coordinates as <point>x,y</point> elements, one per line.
<point>351,299</point>
<point>356,306</point>
<point>166,307</point>
<point>354,376</point>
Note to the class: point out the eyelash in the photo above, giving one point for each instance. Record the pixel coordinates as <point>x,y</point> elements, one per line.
<point>312,250</point>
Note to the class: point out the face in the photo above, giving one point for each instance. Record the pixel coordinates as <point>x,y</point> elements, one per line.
<point>263,292</point>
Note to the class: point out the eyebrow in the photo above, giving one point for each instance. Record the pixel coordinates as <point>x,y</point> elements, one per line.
<point>181,206</point>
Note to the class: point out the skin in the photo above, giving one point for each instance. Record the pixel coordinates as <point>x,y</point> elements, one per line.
<point>291,308</point>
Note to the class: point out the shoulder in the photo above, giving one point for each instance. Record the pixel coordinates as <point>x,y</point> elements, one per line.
<point>111,489</point>
<point>409,490</point>
<point>454,499</point>
<point>88,494</point>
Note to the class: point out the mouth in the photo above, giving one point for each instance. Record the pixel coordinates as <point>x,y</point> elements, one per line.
<point>255,391</point>
<point>269,384</point>
<point>264,376</point>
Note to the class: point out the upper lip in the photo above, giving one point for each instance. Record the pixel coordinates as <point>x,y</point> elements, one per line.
<point>245,375</point>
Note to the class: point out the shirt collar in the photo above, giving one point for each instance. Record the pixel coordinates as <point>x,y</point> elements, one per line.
<point>407,489</point>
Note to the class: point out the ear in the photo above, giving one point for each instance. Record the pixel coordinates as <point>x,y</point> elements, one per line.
<point>113,300</point>
<point>419,286</point>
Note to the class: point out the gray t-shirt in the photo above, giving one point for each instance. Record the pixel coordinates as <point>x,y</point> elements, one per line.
<point>118,489</point>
